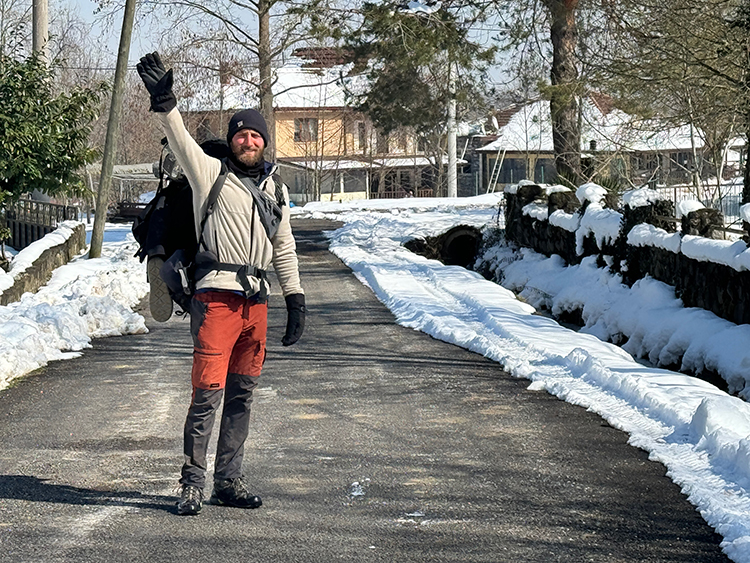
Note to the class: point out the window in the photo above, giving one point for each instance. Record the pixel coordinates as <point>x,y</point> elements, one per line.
<point>305,129</point>
<point>362,135</point>
<point>512,171</point>
<point>544,170</point>
<point>405,180</point>
<point>382,141</point>
<point>681,160</point>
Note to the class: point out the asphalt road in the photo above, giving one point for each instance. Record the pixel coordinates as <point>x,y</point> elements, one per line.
<point>370,442</point>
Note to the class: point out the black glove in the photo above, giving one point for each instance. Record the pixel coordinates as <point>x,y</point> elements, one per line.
<point>158,82</point>
<point>295,318</point>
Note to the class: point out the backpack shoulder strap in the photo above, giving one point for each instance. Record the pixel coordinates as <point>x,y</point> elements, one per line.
<point>278,183</point>
<point>213,196</point>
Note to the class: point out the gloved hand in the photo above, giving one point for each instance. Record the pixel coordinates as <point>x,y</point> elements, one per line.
<point>158,82</point>
<point>295,318</point>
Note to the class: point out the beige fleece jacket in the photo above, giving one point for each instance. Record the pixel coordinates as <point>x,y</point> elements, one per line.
<point>233,231</point>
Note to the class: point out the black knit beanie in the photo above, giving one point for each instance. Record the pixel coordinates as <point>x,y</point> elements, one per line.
<point>247,119</point>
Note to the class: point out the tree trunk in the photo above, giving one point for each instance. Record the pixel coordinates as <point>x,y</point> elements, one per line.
<point>746,171</point>
<point>566,135</point>
<point>265,70</point>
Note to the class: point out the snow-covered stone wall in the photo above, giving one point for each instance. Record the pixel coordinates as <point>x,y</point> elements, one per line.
<point>33,266</point>
<point>636,239</point>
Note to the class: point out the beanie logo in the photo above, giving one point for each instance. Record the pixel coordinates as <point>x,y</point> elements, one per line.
<point>240,123</point>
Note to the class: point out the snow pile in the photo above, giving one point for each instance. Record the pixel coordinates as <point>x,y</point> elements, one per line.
<point>568,221</point>
<point>687,206</point>
<point>745,212</point>
<point>649,235</point>
<point>699,432</point>
<point>513,188</point>
<point>85,299</point>
<point>603,223</point>
<point>593,193</point>
<point>536,210</point>
<point>640,197</point>
<point>25,258</point>
<point>733,254</point>
<point>556,189</point>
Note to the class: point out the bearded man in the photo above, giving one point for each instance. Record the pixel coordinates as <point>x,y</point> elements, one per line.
<point>228,312</point>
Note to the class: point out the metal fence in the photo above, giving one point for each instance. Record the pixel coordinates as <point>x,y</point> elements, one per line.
<point>29,220</point>
<point>729,203</point>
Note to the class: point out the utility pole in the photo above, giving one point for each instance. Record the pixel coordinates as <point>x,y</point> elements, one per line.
<point>39,44</point>
<point>40,28</point>
<point>452,133</point>
<point>113,126</point>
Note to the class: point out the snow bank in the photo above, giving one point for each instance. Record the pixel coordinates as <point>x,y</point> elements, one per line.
<point>85,299</point>
<point>26,257</point>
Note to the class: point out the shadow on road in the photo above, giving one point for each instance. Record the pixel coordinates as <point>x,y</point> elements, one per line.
<point>34,489</point>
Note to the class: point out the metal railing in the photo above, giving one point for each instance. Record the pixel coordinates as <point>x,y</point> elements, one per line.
<point>426,192</point>
<point>30,220</point>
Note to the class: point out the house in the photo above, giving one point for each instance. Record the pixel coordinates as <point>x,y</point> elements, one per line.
<point>325,149</point>
<point>613,144</point>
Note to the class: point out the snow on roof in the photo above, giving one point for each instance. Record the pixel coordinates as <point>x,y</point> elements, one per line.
<point>530,129</point>
<point>295,86</point>
<point>298,87</point>
<point>396,162</point>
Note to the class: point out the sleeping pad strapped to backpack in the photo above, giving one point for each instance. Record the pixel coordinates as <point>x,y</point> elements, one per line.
<point>166,228</point>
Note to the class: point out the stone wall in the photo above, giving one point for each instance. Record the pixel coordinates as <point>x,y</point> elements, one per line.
<point>719,288</point>
<point>39,273</point>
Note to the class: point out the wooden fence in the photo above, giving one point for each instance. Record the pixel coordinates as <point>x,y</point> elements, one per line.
<point>29,220</point>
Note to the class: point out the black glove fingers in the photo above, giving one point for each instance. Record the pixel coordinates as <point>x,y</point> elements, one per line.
<point>157,60</point>
<point>150,60</point>
<point>158,82</point>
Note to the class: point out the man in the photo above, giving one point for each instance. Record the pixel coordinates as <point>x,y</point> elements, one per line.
<point>228,312</point>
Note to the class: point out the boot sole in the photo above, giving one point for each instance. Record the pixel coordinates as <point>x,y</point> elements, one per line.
<point>159,300</point>
<point>188,512</point>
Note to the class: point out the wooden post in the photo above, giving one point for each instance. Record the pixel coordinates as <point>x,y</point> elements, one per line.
<point>113,126</point>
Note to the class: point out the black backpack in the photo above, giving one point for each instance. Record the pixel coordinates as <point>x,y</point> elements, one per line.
<point>166,227</point>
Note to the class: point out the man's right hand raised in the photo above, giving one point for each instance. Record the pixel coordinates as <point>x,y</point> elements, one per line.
<point>158,82</point>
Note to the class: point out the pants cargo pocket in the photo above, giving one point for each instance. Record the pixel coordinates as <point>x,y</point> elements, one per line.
<point>209,368</point>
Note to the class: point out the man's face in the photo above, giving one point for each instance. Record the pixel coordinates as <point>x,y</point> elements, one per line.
<point>247,146</point>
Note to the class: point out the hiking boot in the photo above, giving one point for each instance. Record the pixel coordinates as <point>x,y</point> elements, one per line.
<point>191,501</point>
<point>159,300</point>
<point>233,492</point>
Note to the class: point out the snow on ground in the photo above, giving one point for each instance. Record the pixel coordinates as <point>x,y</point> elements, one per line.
<point>700,433</point>
<point>85,299</point>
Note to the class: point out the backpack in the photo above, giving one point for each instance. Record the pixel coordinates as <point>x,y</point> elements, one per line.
<point>166,227</point>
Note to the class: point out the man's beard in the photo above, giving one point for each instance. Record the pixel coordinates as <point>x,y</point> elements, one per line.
<point>248,158</point>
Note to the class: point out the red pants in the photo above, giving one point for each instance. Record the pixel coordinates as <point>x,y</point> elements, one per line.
<point>229,336</point>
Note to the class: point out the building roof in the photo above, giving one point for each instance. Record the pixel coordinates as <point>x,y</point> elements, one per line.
<point>529,129</point>
<point>297,85</point>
